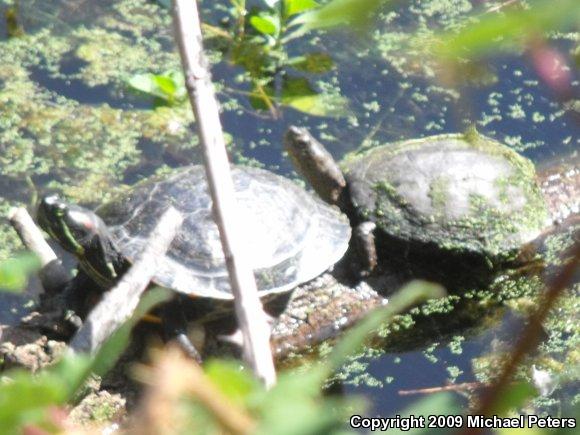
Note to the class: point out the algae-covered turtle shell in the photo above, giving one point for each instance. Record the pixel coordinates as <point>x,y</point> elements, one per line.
<point>463,193</point>
<point>292,235</point>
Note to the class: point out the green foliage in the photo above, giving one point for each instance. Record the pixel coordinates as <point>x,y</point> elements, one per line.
<point>27,399</point>
<point>267,24</point>
<point>513,397</point>
<point>257,40</point>
<point>259,43</point>
<point>412,294</point>
<point>439,404</point>
<point>14,271</point>
<point>169,86</point>
<point>511,28</point>
<point>296,405</point>
<point>339,12</point>
<point>293,7</point>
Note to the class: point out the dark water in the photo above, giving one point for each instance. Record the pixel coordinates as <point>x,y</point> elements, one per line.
<point>385,104</point>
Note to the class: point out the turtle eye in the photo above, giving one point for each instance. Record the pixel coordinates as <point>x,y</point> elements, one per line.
<point>59,209</point>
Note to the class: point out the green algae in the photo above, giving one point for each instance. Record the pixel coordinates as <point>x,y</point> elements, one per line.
<point>84,149</point>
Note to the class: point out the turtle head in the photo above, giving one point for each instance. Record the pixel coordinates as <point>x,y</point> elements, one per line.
<point>316,164</point>
<point>74,227</point>
<point>81,232</point>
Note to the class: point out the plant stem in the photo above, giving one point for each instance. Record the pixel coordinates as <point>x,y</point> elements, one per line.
<point>249,311</point>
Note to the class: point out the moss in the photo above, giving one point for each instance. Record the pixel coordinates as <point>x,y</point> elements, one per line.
<point>438,192</point>
<point>487,229</point>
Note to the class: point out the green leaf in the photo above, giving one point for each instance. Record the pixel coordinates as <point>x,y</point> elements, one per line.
<point>165,84</point>
<point>266,24</point>
<point>111,350</point>
<point>338,12</point>
<point>232,379</point>
<point>510,27</point>
<point>296,87</point>
<point>144,83</point>
<point>294,406</point>
<point>313,63</point>
<point>14,271</point>
<point>261,98</point>
<point>24,398</point>
<point>412,294</point>
<point>319,105</point>
<point>294,7</point>
<point>299,94</point>
<point>179,82</point>
<point>513,396</point>
<point>169,86</point>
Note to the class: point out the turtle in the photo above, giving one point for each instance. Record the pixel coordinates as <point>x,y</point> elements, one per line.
<point>293,235</point>
<point>460,202</point>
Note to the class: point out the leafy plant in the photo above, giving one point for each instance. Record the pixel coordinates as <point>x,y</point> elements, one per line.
<point>257,39</point>
<point>168,86</point>
<point>28,401</point>
<point>228,398</point>
<point>14,271</point>
<point>224,397</point>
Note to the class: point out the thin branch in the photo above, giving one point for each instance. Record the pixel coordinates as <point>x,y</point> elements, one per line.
<point>530,337</point>
<point>31,235</point>
<point>249,311</point>
<point>119,303</point>
<point>451,387</point>
<point>53,275</point>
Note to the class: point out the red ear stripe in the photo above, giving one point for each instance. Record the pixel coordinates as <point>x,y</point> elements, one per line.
<point>89,224</point>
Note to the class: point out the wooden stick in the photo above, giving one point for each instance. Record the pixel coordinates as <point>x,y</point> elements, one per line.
<point>249,310</point>
<point>119,303</point>
<point>31,235</point>
<point>53,275</point>
<point>451,387</point>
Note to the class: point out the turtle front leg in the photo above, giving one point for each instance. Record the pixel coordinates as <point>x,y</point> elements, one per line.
<point>69,298</point>
<point>363,249</point>
<point>175,328</point>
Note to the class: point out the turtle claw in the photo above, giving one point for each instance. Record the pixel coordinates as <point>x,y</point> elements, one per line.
<point>186,346</point>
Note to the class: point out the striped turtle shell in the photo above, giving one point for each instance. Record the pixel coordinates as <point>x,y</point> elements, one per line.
<point>291,235</point>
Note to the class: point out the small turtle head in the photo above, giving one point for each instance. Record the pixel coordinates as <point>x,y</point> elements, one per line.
<point>298,139</point>
<point>315,163</point>
<point>74,227</point>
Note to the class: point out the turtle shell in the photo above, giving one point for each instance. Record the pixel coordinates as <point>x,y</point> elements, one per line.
<point>291,235</point>
<point>460,193</point>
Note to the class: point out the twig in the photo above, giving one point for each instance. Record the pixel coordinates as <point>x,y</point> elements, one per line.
<point>31,235</point>
<point>249,311</point>
<point>500,6</point>
<point>529,338</point>
<point>53,275</point>
<point>119,303</point>
<point>451,387</point>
